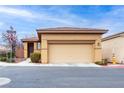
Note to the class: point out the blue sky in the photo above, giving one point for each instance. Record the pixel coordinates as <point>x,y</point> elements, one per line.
<point>26,19</point>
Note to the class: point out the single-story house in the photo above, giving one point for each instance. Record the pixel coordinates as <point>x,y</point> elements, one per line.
<point>113,45</point>
<point>66,45</point>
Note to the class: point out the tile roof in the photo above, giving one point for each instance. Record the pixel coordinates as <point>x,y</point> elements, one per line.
<point>71,30</point>
<point>65,30</point>
<point>113,36</point>
<point>30,39</point>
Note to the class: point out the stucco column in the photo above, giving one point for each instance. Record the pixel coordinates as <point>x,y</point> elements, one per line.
<point>44,51</point>
<point>25,44</point>
<point>97,51</point>
<point>35,46</point>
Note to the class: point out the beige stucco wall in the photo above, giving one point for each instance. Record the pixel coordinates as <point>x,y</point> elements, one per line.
<point>25,44</point>
<point>35,47</point>
<point>45,38</point>
<point>44,51</point>
<point>115,45</point>
<point>70,36</point>
<point>97,50</point>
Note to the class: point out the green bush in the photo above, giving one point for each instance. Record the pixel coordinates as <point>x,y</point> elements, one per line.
<point>9,54</point>
<point>7,57</point>
<point>103,62</point>
<point>3,55</point>
<point>3,59</point>
<point>35,57</point>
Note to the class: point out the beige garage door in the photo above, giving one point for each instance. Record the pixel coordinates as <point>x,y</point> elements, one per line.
<point>70,53</point>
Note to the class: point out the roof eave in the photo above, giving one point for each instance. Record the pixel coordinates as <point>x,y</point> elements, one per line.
<point>73,31</point>
<point>23,40</point>
<point>113,36</point>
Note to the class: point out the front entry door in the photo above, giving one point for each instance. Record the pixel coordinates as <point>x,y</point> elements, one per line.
<point>30,48</point>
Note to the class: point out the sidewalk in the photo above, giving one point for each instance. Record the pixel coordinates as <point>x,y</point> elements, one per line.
<point>27,63</point>
<point>114,66</point>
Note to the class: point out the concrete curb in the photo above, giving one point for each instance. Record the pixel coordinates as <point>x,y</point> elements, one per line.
<point>27,63</point>
<point>114,66</point>
<point>49,65</point>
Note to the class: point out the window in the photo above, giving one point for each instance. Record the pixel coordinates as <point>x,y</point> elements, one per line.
<point>38,45</point>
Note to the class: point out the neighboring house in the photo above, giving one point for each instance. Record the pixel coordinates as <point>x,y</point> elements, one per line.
<point>19,51</point>
<point>113,45</point>
<point>66,45</point>
<point>3,49</point>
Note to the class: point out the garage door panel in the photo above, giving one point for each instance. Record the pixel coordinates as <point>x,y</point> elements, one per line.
<point>70,53</point>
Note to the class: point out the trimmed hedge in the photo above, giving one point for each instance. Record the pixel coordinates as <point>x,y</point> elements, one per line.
<point>35,57</point>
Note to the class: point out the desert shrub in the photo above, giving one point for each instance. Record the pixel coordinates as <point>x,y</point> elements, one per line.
<point>103,62</point>
<point>35,57</point>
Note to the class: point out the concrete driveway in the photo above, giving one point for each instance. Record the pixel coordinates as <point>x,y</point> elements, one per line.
<point>62,77</point>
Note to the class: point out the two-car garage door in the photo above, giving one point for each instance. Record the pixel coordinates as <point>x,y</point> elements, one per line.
<point>70,53</point>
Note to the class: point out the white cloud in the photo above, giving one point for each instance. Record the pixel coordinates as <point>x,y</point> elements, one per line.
<point>112,20</point>
<point>1,24</point>
<point>16,12</point>
<point>62,16</point>
<point>29,15</point>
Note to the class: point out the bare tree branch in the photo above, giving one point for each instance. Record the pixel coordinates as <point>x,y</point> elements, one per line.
<point>10,38</point>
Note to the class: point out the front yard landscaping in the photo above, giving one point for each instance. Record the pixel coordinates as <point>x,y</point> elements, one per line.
<point>103,62</point>
<point>7,57</point>
<point>35,57</point>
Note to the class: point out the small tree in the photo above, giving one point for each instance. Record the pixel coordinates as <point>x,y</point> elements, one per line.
<point>10,38</point>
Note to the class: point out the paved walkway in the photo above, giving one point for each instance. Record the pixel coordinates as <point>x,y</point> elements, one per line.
<point>27,63</point>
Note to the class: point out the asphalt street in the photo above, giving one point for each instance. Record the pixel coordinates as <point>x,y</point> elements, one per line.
<point>62,77</point>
